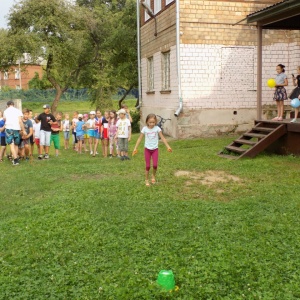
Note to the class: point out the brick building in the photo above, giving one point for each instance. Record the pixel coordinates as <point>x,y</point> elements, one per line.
<point>18,78</point>
<point>18,75</point>
<point>199,62</point>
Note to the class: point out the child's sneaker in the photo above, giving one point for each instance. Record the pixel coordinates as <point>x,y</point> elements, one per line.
<point>294,120</point>
<point>46,156</point>
<point>15,162</point>
<point>126,157</point>
<point>40,156</point>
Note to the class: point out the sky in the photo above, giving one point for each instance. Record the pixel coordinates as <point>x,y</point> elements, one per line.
<point>5,6</point>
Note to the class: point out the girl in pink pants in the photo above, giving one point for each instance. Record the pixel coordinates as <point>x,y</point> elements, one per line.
<point>151,133</point>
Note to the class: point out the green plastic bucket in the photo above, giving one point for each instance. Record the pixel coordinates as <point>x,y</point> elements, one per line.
<point>166,280</point>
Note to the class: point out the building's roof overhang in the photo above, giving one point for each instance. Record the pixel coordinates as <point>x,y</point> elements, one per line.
<point>282,15</point>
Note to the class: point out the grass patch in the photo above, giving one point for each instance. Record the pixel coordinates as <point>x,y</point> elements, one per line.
<point>77,227</point>
<point>71,106</point>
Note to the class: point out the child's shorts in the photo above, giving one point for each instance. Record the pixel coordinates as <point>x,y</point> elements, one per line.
<point>12,137</point>
<point>123,144</point>
<point>3,142</point>
<point>105,134</point>
<point>97,135</point>
<point>55,139</point>
<point>80,137</point>
<point>37,141</point>
<point>92,133</point>
<point>23,143</point>
<point>31,140</point>
<point>86,136</point>
<point>66,135</point>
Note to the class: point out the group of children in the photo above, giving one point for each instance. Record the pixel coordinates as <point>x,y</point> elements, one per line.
<point>113,130</point>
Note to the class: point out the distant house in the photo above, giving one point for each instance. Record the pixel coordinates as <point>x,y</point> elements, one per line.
<point>17,76</point>
<point>199,63</point>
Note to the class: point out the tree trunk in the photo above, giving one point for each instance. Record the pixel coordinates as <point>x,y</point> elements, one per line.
<point>55,102</point>
<point>124,96</point>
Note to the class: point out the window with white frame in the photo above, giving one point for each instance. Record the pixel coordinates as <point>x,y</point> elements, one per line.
<point>157,6</point>
<point>150,74</point>
<point>17,73</point>
<point>5,77</point>
<point>166,71</point>
<point>148,2</point>
<point>169,1</point>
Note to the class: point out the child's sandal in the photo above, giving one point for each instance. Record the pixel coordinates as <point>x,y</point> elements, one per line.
<point>147,183</point>
<point>153,181</point>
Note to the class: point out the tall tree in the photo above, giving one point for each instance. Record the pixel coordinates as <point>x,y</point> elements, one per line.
<point>117,63</point>
<point>61,32</point>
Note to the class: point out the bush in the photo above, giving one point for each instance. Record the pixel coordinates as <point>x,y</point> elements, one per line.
<point>135,125</point>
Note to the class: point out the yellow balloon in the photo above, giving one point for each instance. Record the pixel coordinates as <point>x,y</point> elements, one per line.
<point>271,83</point>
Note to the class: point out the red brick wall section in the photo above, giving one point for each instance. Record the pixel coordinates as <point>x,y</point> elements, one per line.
<point>28,72</point>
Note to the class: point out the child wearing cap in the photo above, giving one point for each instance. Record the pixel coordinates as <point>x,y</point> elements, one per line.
<point>91,130</point>
<point>123,134</point>
<point>80,132</point>
<point>46,119</point>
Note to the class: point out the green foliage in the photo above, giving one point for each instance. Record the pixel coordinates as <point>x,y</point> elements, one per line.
<point>89,45</point>
<point>117,60</point>
<point>58,31</point>
<point>8,51</point>
<point>135,125</point>
<point>5,89</point>
<point>39,84</point>
<point>77,227</point>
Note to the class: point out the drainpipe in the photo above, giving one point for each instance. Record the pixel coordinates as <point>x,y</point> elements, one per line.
<point>259,72</point>
<point>139,53</point>
<point>179,109</point>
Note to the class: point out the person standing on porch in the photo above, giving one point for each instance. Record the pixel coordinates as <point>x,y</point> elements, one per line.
<point>296,92</point>
<point>280,91</point>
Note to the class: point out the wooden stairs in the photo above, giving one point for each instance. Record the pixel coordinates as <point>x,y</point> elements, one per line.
<point>254,141</point>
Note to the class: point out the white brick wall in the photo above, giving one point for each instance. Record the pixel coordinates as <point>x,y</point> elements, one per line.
<point>218,87</point>
<point>214,76</point>
<point>158,100</point>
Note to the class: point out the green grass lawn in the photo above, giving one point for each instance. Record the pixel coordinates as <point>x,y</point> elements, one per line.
<point>71,106</point>
<point>77,227</point>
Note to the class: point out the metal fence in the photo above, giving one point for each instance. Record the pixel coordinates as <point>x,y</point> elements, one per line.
<point>45,95</point>
<point>34,95</point>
